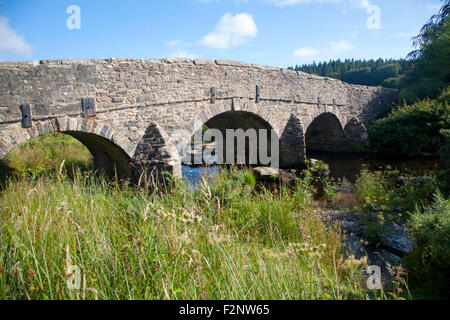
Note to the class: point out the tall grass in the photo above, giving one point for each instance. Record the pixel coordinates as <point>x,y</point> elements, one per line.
<point>226,239</point>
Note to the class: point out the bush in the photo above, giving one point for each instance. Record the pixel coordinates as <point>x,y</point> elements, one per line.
<point>374,190</point>
<point>411,129</point>
<point>445,155</point>
<point>386,190</point>
<point>429,262</point>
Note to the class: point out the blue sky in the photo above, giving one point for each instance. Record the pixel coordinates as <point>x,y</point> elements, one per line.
<point>273,32</point>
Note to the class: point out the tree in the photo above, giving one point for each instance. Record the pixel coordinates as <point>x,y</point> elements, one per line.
<point>429,72</point>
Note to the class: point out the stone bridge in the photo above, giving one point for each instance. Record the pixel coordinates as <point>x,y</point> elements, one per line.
<point>125,110</point>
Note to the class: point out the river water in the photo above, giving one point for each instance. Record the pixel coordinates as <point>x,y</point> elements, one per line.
<point>346,167</point>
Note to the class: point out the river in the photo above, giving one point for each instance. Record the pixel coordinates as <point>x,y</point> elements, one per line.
<point>346,167</point>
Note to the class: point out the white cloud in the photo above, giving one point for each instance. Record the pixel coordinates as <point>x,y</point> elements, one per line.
<point>231,31</point>
<point>11,42</point>
<point>341,46</point>
<point>305,52</point>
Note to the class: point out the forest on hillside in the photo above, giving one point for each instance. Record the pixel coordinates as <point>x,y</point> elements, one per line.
<point>365,72</point>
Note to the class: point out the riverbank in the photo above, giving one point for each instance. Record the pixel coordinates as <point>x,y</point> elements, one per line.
<point>229,238</point>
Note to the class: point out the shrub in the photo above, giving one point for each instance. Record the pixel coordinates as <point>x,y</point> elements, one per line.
<point>375,225</point>
<point>411,129</point>
<point>373,189</point>
<point>429,262</point>
<point>386,190</point>
<point>445,155</point>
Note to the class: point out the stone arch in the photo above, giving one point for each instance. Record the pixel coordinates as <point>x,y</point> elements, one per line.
<point>109,148</point>
<point>240,114</point>
<point>326,134</point>
<point>317,112</point>
<point>356,132</point>
<point>233,105</point>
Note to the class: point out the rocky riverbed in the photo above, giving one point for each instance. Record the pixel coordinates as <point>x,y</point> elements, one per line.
<point>386,252</point>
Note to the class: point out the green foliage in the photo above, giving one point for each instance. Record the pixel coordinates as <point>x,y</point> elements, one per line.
<point>383,191</point>
<point>375,225</point>
<point>223,240</point>
<point>374,190</point>
<point>394,82</point>
<point>329,191</point>
<point>413,88</point>
<point>361,76</point>
<point>429,262</point>
<point>445,155</point>
<point>411,129</point>
<point>249,179</point>
<point>384,72</point>
<point>430,69</point>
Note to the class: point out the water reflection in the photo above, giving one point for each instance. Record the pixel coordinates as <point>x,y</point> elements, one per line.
<point>348,166</point>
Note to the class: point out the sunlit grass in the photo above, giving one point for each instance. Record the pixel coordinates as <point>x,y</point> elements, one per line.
<point>46,153</point>
<point>224,240</point>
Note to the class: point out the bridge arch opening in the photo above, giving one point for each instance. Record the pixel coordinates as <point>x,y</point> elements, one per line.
<point>84,150</point>
<point>107,156</point>
<point>249,133</point>
<point>325,134</point>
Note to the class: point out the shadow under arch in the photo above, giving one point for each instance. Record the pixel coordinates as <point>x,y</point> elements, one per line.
<point>108,156</point>
<point>326,134</point>
<point>244,120</point>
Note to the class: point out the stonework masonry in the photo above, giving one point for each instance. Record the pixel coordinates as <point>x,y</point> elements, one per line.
<point>140,103</point>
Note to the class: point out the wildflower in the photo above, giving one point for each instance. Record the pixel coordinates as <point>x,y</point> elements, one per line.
<point>326,296</point>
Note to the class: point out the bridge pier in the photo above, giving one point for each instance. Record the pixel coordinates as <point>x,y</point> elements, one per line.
<point>154,155</point>
<point>292,145</point>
